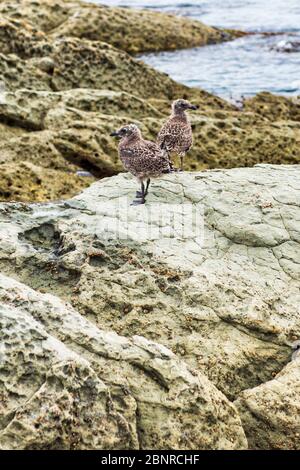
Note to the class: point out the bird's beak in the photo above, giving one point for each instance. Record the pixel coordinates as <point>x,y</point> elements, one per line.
<point>114,134</point>
<point>193,107</point>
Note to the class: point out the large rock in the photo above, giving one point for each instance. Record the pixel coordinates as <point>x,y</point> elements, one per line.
<point>17,73</point>
<point>65,384</point>
<point>68,63</point>
<point>64,95</point>
<point>270,412</point>
<point>130,30</point>
<point>69,130</point>
<point>275,108</point>
<point>209,268</point>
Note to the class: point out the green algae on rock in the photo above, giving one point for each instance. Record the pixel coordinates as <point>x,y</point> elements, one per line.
<point>24,181</point>
<point>275,108</point>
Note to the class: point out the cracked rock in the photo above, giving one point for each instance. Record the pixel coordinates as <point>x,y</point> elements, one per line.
<point>66,384</point>
<point>181,273</point>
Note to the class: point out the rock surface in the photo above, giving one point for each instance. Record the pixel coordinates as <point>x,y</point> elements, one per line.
<point>209,268</point>
<point>65,384</point>
<point>270,412</point>
<point>127,29</point>
<point>63,96</point>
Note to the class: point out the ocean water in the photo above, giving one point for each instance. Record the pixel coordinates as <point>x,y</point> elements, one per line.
<point>242,67</point>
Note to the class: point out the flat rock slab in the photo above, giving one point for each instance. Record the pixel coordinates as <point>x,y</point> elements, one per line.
<point>208,268</point>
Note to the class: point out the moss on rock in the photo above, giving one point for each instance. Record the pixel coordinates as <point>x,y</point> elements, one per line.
<point>24,181</point>
<point>275,108</point>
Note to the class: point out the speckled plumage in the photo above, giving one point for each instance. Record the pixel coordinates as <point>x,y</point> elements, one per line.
<point>176,135</point>
<point>142,158</point>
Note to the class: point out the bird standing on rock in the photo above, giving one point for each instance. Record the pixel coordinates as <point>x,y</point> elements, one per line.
<point>176,134</point>
<point>142,158</point>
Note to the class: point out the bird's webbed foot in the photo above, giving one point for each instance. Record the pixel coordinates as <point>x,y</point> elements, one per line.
<point>138,202</point>
<point>176,170</point>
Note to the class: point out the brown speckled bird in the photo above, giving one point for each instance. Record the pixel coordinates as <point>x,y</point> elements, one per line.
<point>142,158</point>
<point>176,134</point>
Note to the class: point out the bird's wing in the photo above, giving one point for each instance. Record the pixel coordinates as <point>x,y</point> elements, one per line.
<point>154,149</point>
<point>126,152</point>
<point>158,154</point>
<point>169,134</point>
<point>135,157</point>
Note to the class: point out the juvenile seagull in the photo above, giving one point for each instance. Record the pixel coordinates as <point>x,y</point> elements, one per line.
<point>142,158</point>
<point>176,134</point>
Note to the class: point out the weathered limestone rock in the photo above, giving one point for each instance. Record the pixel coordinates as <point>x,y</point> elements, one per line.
<point>17,73</point>
<point>64,95</point>
<point>226,139</point>
<point>79,63</point>
<point>65,384</point>
<point>276,108</point>
<point>270,412</point>
<point>69,130</point>
<point>19,37</point>
<point>25,181</point>
<point>130,30</point>
<point>209,268</point>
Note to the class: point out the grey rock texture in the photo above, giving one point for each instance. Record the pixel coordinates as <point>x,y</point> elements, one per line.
<point>65,384</point>
<point>209,269</point>
<point>270,412</point>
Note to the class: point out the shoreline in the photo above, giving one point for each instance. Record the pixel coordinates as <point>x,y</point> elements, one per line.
<point>169,325</point>
<point>65,94</point>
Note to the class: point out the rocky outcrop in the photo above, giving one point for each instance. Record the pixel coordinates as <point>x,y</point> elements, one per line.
<point>129,30</point>
<point>66,384</point>
<point>287,46</point>
<point>61,96</point>
<point>69,63</point>
<point>65,95</point>
<point>275,108</point>
<point>44,132</point>
<point>208,268</point>
<point>270,412</point>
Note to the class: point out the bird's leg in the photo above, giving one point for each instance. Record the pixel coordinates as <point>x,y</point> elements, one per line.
<point>141,198</point>
<point>147,186</point>
<point>140,194</point>
<point>181,161</point>
<point>172,167</point>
